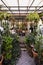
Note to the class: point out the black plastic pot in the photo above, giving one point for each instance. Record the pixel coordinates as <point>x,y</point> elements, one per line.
<point>6,62</point>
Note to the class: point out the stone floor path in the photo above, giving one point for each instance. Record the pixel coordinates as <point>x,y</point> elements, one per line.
<point>25,59</point>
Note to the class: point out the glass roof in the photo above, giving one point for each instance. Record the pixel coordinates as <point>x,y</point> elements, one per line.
<point>21,6</point>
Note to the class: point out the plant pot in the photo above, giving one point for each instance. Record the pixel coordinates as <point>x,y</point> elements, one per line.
<point>29,51</point>
<point>1,59</point>
<point>7,62</point>
<point>41,59</point>
<point>0,63</point>
<point>36,58</point>
<point>35,54</point>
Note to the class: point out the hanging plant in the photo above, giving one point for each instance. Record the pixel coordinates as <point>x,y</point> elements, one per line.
<point>7,16</point>
<point>33,17</point>
<point>1,15</point>
<point>41,16</point>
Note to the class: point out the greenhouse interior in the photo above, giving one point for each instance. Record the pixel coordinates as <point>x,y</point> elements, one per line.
<point>21,32</point>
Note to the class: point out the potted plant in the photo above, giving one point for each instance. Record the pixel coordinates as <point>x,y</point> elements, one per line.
<point>30,40</point>
<point>7,48</point>
<point>16,48</point>
<point>1,59</point>
<point>39,47</point>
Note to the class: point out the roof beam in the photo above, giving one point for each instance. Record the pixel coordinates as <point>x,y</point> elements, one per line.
<point>22,10</point>
<point>22,14</point>
<point>39,8</point>
<point>27,7</point>
<point>18,6</point>
<point>39,4</point>
<point>30,5</point>
<point>6,5</point>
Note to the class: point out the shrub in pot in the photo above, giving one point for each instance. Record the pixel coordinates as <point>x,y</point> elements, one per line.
<point>16,48</point>
<point>11,48</point>
<point>7,48</point>
<point>29,40</point>
<point>39,46</point>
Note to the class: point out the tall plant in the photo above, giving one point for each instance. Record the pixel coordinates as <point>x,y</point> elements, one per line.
<point>7,47</point>
<point>30,39</point>
<point>39,44</point>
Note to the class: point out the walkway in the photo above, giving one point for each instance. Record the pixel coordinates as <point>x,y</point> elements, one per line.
<point>25,59</point>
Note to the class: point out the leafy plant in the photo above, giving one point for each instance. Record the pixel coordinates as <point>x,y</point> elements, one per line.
<point>16,47</point>
<point>1,15</point>
<point>33,17</point>
<point>41,16</point>
<point>7,46</point>
<point>11,48</point>
<point>6,28</point>
<point>4,16</point>
<point>39,44</point>
<point>30,39</point>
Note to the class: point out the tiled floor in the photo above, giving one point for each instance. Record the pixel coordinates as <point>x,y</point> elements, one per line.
<point>25,59</point>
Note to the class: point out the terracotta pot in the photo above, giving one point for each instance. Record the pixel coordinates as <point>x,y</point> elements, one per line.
<point>29,51</point>
<point>0,63</point>
<point>1,60</point>
<point>35,54</point>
